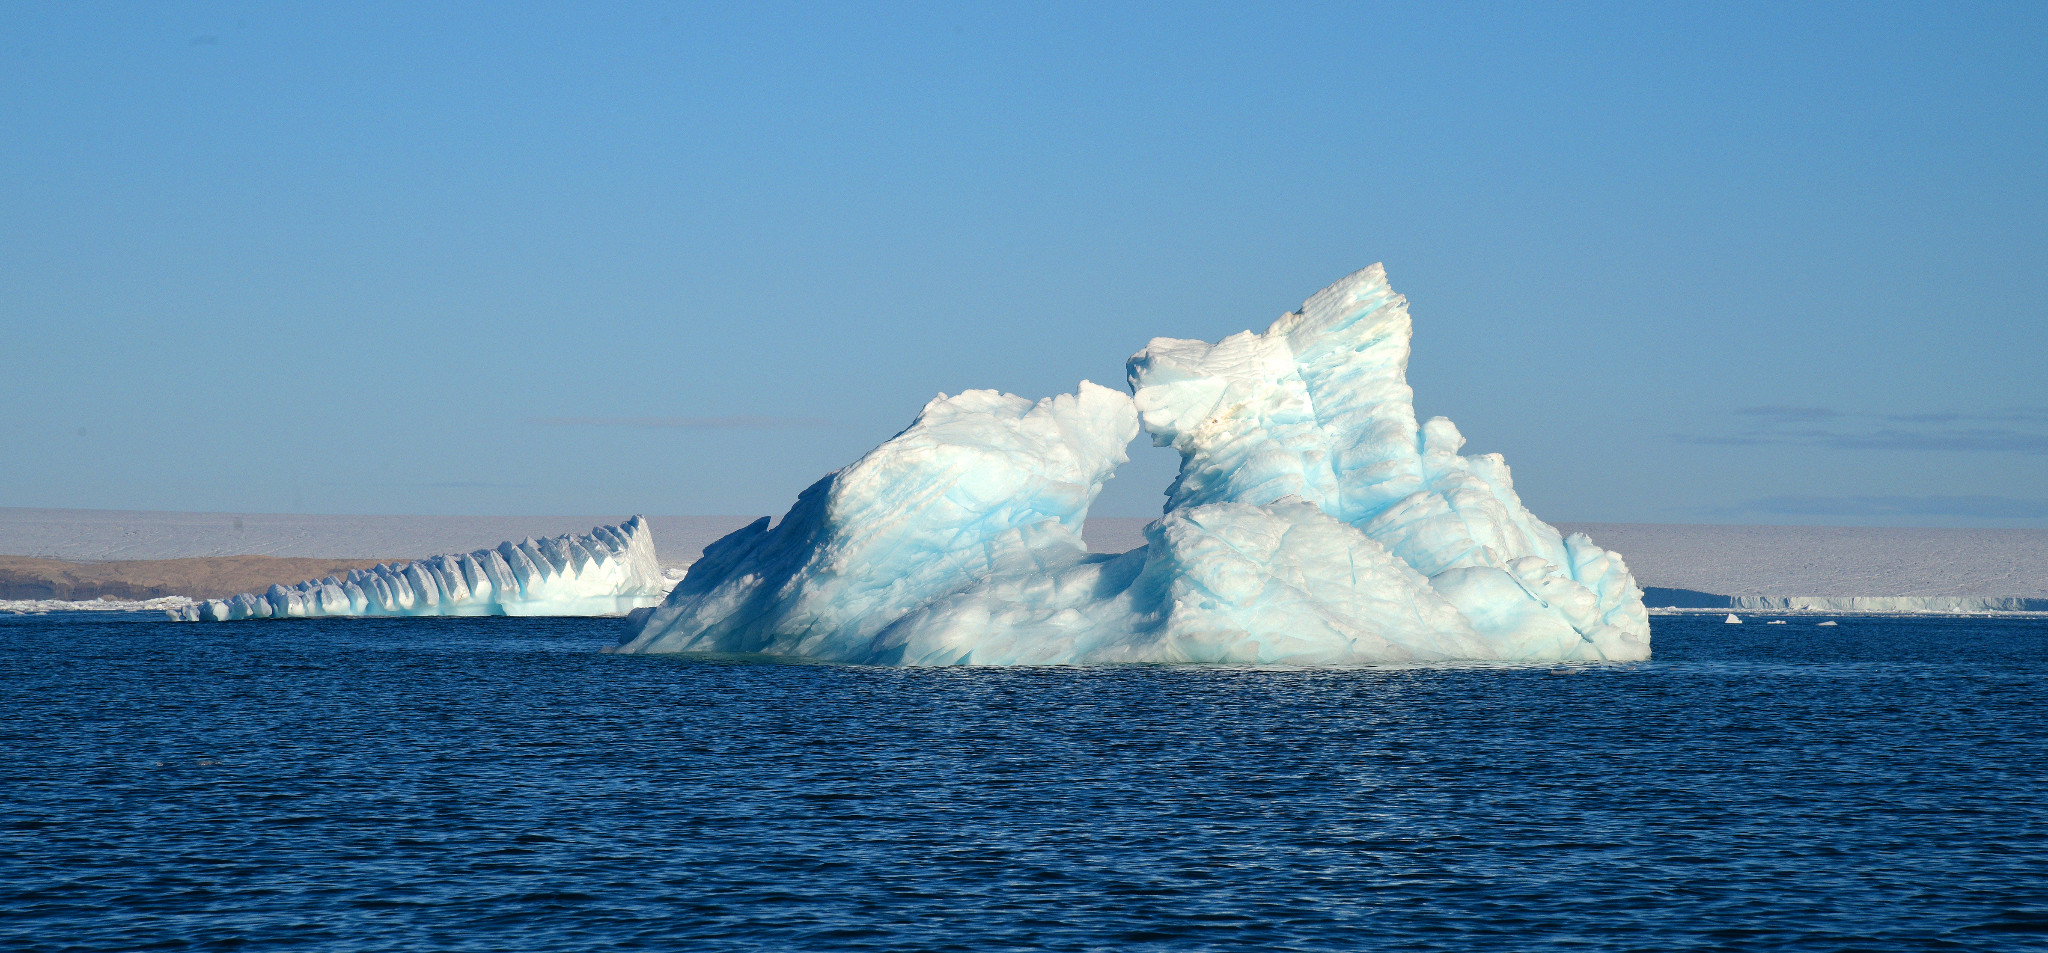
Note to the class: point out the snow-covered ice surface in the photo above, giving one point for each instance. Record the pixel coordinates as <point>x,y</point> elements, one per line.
<point>1820,562</point>
<point>609,571</point>
<point>1314,521</point>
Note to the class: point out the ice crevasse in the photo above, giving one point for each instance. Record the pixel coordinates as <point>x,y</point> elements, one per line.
<point>1314,521</point>
<point>609,571</point>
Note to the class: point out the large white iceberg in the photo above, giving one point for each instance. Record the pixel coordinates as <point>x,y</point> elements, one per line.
<point>610,571</point>
<point>1314,522</point>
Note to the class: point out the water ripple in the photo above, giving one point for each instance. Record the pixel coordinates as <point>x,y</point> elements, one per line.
<point>494,784</point>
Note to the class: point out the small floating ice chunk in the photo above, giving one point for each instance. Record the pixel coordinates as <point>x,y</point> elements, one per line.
<point>1733,619</point>
<point>1828,622</point>
<point>1775,622</point>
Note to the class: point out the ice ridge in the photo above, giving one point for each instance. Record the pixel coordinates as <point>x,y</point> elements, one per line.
<point>1314,521</point>
<point>980,483</point>
<point>609,571</point>
<point>1318,408</point>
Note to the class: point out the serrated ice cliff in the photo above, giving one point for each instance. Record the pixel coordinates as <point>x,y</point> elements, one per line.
<point>610,571</point>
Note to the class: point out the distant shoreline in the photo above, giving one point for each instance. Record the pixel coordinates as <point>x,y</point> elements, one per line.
<point>204,577</point>
<point>1856,613</point>
<point>1767,568</point>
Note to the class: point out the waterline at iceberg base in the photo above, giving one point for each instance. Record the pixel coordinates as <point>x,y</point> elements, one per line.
<point>1314,522</point>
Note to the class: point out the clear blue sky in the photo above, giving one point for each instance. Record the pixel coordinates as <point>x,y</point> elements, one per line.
<point>1680,263</point>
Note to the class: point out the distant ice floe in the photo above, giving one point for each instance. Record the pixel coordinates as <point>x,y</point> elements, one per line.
<point>610,571</point>
<point>172,604</point>
<point>1901,604</point>
<point>1664,601</point>
<point>1314,522</point>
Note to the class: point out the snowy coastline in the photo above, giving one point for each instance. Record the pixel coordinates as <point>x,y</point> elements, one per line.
<point>45,606</point>
<point>1684,568</point>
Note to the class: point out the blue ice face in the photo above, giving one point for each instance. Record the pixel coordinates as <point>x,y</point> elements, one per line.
<point>1314,521</point>
<point>981,483</point>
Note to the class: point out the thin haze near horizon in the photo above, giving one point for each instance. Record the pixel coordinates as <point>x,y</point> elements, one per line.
<point>1700,263</point>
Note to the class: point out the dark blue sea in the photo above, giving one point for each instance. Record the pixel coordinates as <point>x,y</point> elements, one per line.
<point>501,785</point>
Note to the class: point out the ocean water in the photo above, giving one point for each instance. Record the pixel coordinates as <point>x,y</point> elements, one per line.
<point>500,784</point>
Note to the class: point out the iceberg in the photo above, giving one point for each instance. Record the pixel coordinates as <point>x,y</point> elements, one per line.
<point>1314,521</point>
<point>609,571</point>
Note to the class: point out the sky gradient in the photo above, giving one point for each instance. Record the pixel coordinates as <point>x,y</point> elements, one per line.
<point>1681,263</point>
